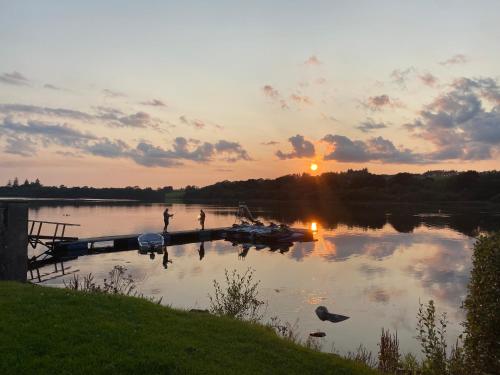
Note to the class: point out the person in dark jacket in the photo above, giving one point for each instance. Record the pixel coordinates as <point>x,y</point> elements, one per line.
<point>202,219</point>
<point>166,218</point>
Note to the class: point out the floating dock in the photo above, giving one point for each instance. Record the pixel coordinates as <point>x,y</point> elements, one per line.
<point>92,245</point>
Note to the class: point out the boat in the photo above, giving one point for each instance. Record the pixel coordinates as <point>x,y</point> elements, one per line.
<point>151,242</point>
<point>272,233</point>
<point>251,230</point>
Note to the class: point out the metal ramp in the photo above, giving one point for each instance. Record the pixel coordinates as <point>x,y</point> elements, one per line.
<point>46,234</point>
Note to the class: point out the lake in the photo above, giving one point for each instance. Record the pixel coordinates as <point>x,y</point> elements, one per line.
<point>371,263</point>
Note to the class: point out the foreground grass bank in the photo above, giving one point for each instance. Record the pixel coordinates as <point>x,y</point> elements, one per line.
<point>47,330</point>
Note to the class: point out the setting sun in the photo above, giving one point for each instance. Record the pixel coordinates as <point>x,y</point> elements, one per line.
<point>314,167</point>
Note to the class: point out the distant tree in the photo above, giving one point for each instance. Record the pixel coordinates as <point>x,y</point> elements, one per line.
<point>16,182</point>
<point>26,182</point>
<point>9,184</point>
<point>37,183</point>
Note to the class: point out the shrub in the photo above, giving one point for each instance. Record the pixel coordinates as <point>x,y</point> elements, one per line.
<point>482,325</point>
<point>432,337</point>
<point>239,298</point>
<point>388,355</point>
<point>117,283</point>
<point>285,329</point>
<point>409,365</point>
<point>362,355</point>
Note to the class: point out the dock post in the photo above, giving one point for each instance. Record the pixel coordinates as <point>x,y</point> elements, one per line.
<point>13,241</point>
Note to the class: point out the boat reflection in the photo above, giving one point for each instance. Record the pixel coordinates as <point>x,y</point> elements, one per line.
<point>245,247</point>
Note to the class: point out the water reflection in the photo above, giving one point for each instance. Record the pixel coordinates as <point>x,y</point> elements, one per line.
<point>166,261</point>
<point>372,264</point>
<point>201,250</point>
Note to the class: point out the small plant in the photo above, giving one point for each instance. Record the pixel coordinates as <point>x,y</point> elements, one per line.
<point>432,337</point>
<point>362,355</point>
<point>388,355</point>
<point>456,361</point>
<point>285,329</point>
<point>409,365</point>
<point>313,343</point>
<point>117,283</point>
<point>85,284</point>
<point>239,298</point>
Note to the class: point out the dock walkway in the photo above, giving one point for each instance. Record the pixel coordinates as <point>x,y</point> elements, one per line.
<point>90,245</point>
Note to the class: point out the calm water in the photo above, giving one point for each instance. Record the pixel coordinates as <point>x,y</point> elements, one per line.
<point>372,264</point>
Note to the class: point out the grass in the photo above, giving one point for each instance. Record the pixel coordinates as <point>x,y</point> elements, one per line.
<point>46,330</point>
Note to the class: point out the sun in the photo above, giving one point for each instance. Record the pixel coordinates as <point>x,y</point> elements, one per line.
<point>314,167</point>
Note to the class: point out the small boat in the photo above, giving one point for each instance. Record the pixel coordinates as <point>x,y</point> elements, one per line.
<point>150,242</point>
<point>258,233</point>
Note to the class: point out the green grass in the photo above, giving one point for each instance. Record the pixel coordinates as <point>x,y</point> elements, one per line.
<point>46,331</point>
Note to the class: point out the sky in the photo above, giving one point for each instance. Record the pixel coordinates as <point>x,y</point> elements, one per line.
<point>157,93</point>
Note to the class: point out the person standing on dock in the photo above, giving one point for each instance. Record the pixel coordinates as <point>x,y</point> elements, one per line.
<point>166,219</point>
<point>202,219</point>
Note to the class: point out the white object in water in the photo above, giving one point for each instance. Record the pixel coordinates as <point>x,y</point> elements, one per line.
<point>150,242</point>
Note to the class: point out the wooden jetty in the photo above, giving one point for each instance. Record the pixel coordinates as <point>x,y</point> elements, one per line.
<point>92,245</point>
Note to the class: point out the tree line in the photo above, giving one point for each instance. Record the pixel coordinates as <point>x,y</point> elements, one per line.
<point>359,185</point>
<point>35,189</point>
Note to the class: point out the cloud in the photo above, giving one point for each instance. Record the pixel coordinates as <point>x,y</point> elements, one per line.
<point>374,149</point>
<point>275,95</point>
<point>370,125</point>
<point>182,149</point>
<point>456,59</point>
<point>428,79</point>
<point>371,271</point>
<point>26,109</point>
<point>269,143</point>
<point>110,116</point>
<point>301,148</point>
<point>14,78</point>
<point>63,135</point>
<point>486,88</point>
<point>154,103</point>
<point>197,124</point>
<point>379,102</point>
<point>108,113</point>
<point>377,294</point>
<point>153,156</point>
<point>301,99</point>
<point>136,120</point>
<point>457,124</point>
<point>270,91</point>
<point>52,87</point>
<point>295,98</point>
<point>26,138</point>
<point>19,145</point>
<point>224,170</point>
<point>312,61</point>
<point>232,150</point>
<point>113,94</point>
<point>107,148</point>
<point>324,116</point>
<point>401,76</point>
